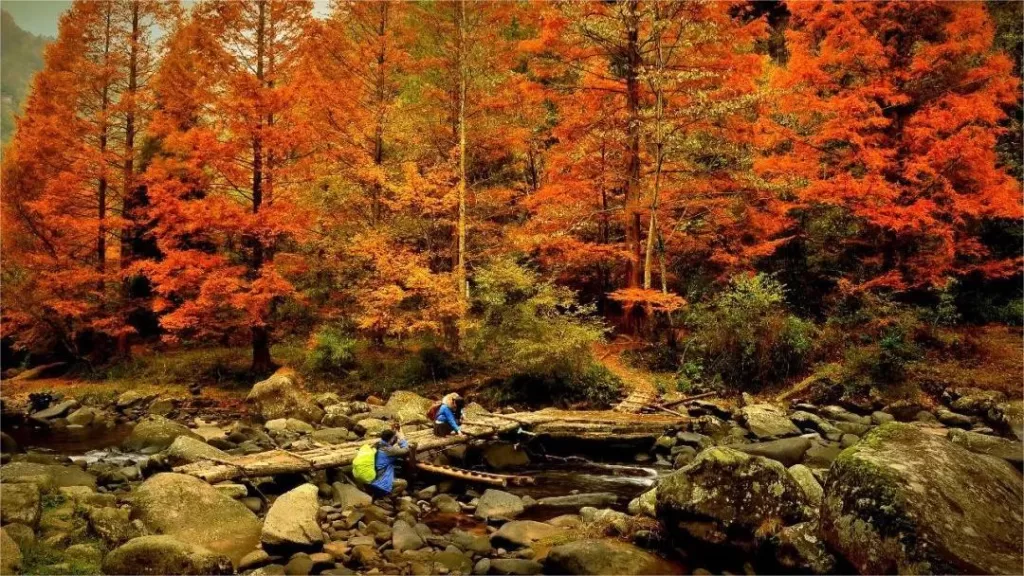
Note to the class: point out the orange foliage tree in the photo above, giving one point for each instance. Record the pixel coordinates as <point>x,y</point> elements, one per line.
<point>223,191</point>
<point>70,177</point>
<point>885,131</point>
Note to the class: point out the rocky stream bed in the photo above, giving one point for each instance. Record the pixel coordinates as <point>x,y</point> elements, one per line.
<point>756,488</point>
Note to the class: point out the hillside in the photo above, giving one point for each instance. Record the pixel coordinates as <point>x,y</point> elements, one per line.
<point>21,56</point>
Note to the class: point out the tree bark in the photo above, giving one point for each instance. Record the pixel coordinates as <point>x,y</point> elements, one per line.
<point>460,271</point>
<point>261,361</point>
<point>101,232</point>
<point>632,207</point>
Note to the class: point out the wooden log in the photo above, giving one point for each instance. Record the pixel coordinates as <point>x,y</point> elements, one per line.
<point>687,399</point>
<point>474,476</point>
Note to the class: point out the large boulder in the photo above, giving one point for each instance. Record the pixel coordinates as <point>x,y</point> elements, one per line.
<point>186,450</point>
<point>291,522</point>
<point>10,555</point>
<point>196,513</point>
<point>164,555</point>
<point>727,496</point>
<point>992,445</point>
<point>20,503</point>
<point>499,505</point>
<point>154,433</point>
<point>281,396</point>
<point>610,557</point>
<point>767,421</point>
<point>903,500</point>
<point>408,407</point>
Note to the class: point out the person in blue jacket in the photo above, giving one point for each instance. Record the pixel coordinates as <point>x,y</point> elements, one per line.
<point>449,415</point>
<point>391,447</point>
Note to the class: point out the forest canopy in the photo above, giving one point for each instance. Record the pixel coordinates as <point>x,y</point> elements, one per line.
<point>507,181</point>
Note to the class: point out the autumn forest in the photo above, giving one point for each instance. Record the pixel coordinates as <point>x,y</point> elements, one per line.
<point>740,194</point>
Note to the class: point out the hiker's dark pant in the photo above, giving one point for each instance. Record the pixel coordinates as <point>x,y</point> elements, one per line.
<point>442,429</point>
<point>375,492</point>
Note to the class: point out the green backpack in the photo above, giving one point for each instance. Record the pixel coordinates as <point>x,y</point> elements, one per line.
<point>364,465</point>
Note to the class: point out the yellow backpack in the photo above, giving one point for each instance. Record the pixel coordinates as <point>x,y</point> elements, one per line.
<point>364,465</point>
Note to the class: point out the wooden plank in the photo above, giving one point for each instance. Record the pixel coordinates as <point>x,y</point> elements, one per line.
<point>636,401</point>
<point>474,476</point>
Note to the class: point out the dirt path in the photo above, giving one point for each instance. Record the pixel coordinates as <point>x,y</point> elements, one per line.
<point>610,356</point>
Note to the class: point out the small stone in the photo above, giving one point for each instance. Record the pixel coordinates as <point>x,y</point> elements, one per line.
<point>233,490</point>
<point>253,559</point>
<point>299,564</point>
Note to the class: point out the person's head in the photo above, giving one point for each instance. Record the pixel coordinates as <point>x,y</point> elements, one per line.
<point>452,399</point>
<point>388,436</point>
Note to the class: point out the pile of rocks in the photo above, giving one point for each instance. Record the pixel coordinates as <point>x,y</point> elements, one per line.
<point>899,488</point>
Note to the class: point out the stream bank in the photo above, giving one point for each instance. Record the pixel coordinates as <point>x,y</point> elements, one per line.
<point>756,489</point>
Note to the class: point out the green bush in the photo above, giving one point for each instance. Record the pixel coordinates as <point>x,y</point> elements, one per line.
<point>331,350</point>
<point>594,386</point>
<point>746,336</point>
<point>528,326</point>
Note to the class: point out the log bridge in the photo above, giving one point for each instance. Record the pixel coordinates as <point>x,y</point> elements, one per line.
<point>567,424</point>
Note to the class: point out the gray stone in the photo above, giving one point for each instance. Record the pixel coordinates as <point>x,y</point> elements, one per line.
<point>162,407</point>
<point>821,454</point>
<point>164,555</point>
<point>186,450</point>
<point>497,504</point>
<point>813,421</point>
<point>84,554</point>
<point>514,566</point>
<point>789,451</point>
<point>292,522</point>
<point>196,513</point>
<point>950,418</point>
<point>522,533</point>
<point>348,496</point>
<point>881,418</point>
<point>404,537</point>
<point>698,441</point>
<point>469,542</point>
<point>804,478</point>
<point>446,504</point>
<point>233,490</point>
<point>113,525</point>
<point>48,477</point>
<point>131,398</point>
<point>725,495</point>
<point>901,487</point>
<point>977,402</point>
<point>371,427</point>
<point>84,416</point>
<point>281,396</point>
<point>21,504</point>
<point>21,534</point>
<point>154,433</point>
<point>10,554</point>
<point>253,559</point>
<point>299,564</point>
<point>990,445</point>
<point>505,456</point>
<point>331,435</point>
<point>408,407</point>
<point>645,504</point>
<point>57,410</point>
<point>767,421</point>
<point>577,501</point>
<point>799,548</point>
<point>604,557</point>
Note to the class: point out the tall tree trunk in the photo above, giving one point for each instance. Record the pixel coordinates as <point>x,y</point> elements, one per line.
<point>378,132</point>
<point>632,208</point>
<point>101,232</point>
<point>659,149</point>
<point>128,192</point>
<point>460,271</point>
<point>261,361</point>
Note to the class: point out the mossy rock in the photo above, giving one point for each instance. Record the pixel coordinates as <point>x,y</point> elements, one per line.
<point>906,501</point>
<point>729,497</point>
<point>164,555</point>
